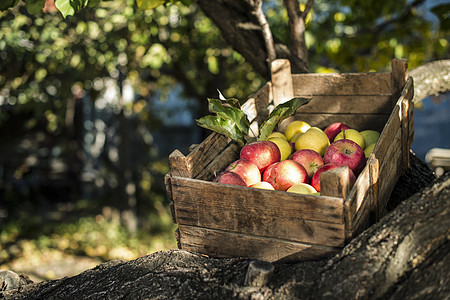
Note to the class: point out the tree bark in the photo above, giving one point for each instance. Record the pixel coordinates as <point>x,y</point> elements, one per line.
<point>431,79</point>
<point>403,256</point>
<point>241,29</point>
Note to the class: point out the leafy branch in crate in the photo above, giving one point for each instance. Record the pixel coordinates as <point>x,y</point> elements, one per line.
<point>231,121</point>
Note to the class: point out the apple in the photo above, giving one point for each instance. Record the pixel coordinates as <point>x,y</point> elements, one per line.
<point>246,169</point>
<point>276,134</point>
<point>370,136</point>
<point>315,139</point>
<point>294,128</point>
<point>283,145</point>
<point>346,152</point>
<point>309,159</point>
<point>261,153</point>
<point>351,134</point>
<point>263,185</point>
<point>302,188</point>
<point>369,149</point>
<point>333,129</point>
<point>315,181</point>
<point>282,175</point>
<point>229,178</point>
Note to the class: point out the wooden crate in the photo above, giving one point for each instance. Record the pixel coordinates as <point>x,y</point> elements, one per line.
<point>234,221</point>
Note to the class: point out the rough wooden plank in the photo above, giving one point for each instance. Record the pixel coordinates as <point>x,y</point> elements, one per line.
<point>357,104</point>
<point>204,153</point>
<point>390,130</point>
<point>220,162</point>
<point>335,183</point>
<point>246,215</point>
<point>399,77</point>
<point>374,174</point>
<point>390,170</point>
<point>356,198</point>
<point>179,165</point>
<point>217,243</point>
<point>282,87</point>
<point>405,102</point>
<point>342,84</point>
<point>203,199</point>
<point>168,184</point>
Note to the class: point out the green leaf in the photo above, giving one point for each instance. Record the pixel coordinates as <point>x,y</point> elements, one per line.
<point>35,7</point>
<point>222,126</point>
<point>442,11</point>
<point>150,4</point>
<point>281,112</point>
<point>92,3</point>
<point>232,113</point>
<point>5,4</point>
<point>69,7</point>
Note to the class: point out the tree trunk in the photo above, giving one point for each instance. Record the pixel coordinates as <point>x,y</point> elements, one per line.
<point>431,79</point>
<point>403,256</point>
<point>241,30</point>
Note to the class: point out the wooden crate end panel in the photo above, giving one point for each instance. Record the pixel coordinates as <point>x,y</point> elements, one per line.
<point>229,154</point>
<point>218,243</point>
<point>216,197</point>
<point>342,84</point>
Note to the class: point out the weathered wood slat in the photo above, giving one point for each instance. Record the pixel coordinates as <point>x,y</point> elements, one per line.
<point>218,243</point>
<point>189,166</point>
<point>405,102</point>
<point>358,195</point>
<point>342,84</point>
<point>357,104</point>
<point>390,170</point>
<point>390,130</point>
<point>335,183</point>
<point>220,162</point>
<point>282,86</point>
<point>203,199</point>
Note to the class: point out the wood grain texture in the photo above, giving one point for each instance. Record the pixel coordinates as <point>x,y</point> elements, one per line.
<point>218,243</point>
<point>282,86</point>
<point>342,84</point>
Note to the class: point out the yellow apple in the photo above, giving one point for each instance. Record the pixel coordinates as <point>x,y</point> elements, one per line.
<point>263,185</point>
<point>370,136</point>
<point>283,145</point>
<point>295,127</point>
<point>302,188</point>
<point>315,139</point>
<point>295,137</point>
<point>353,135</point>
<point>276,134</point>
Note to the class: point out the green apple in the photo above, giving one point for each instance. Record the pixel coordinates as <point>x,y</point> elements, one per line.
<point>370,136</point>
<point>353,135</point>
<point>315,139</point>
<point>296,127</point>
<point>369,149</point>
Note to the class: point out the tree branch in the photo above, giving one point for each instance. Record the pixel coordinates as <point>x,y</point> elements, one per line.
<point>267,33</point>
<point>297,28</point>
<point>431,79</point>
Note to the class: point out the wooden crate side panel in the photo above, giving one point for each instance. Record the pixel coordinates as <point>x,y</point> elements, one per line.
<point>342,84</point>
<point>217,243</point>
<point>322,120</point>
<point>203,199</point>
<point>358,197</point>
<point>390,130</point>
<point>355,104</point>
<point>390,170</point>
<point>220,162</point>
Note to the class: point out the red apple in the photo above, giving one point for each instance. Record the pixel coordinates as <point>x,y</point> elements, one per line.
<point>315,181</point>
<point>229,178</point>
<point>246,169</point>
<point>346,152</point>
<point>309,159</point>
<point>333,129</point>
<point>261,153</point>
<point>282,175</point>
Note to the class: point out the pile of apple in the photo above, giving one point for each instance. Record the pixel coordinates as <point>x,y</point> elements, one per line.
<point>293,160</point>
